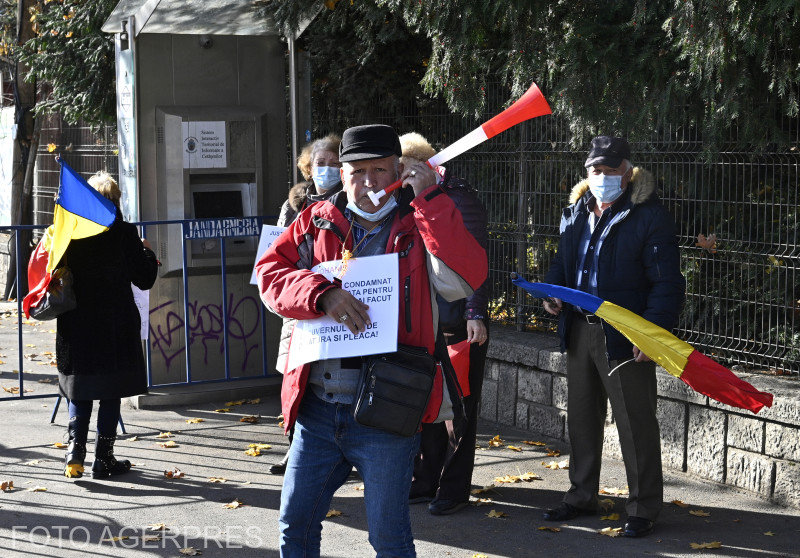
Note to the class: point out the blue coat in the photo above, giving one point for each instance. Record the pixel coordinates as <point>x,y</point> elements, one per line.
<point>639,260</point>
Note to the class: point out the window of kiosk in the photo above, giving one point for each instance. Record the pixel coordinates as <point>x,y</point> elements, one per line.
<point>211,205</point>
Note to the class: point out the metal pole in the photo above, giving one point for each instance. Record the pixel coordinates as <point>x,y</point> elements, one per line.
<point>293,101</point>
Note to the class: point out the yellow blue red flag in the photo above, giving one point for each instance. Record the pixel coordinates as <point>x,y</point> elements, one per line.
<point>677,357</point>
<point>80,212</point>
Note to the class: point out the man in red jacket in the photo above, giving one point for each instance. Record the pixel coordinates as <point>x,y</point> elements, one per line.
<point>436,255</point>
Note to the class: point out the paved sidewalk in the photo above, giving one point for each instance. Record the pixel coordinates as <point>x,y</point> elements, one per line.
<point>49,515</point>
<point>89,517</point>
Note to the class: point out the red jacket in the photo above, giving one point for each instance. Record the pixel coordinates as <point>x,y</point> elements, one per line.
<point>428,226</point>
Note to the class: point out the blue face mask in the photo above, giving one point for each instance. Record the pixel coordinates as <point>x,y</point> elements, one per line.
<point>387,208</point>
<point>605,188</point>
<point>325,178</point>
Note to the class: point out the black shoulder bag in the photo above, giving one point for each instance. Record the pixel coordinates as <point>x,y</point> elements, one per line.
<point>394,389</point>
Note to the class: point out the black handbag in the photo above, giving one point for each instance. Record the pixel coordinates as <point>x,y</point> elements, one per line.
<point>394,389</point>
<point>58,299</point>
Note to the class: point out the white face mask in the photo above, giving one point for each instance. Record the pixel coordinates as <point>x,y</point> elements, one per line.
<point>387,208</point>
<point>325,178</point>
<point>605,188</point>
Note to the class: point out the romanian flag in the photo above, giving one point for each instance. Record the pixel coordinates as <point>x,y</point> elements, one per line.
<point>677,357</point>
<point>80,212</point>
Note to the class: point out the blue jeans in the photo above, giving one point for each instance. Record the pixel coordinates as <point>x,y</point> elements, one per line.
<point>327,444</point>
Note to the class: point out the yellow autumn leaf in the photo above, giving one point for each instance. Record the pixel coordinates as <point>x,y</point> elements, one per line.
<point>190,551</point>
<point>60,445</point>
<point>530,443</point>
<point>115,539</point>
<point>528,477</point>
<point>253,401</point>
<point>252,452</point>
<point>496,442</point>
<point>514,448</point>
<point>699,513</point>
<point>260,446</point>
<point>158,527</point>
<point>482,489</point>
<point>51,147</point>
<point>679,504</point>
<point>234,403</point>
<point>614,491</point>
<point>553,453</point>
<point>194,420</point>
<point>482,502</point>
<point>548,528</point>
<point>769,534</point>
<point>699,546</point>
<point>217,479</point>
<point>605,504</point>
<point>223,410</point>
<point>333,513</point>
<point>251,419</point>
<point>611,531</point>
<point>169,444</point>
<point>497,514</point>
<point>7,486</point>
<point>37,489</point>
<point>610,517</point>
<point>476,555</point>
<point>556,464</point>
<point>165,435</point>
<point>233,505</point>
<point>510,479</point>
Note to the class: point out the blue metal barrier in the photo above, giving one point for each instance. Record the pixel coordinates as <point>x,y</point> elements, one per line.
<point>185,225</point>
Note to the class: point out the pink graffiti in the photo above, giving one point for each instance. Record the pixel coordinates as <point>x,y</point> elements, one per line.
<point>206,327</point>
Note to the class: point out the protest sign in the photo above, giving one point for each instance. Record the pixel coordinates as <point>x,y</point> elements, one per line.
<point>268,235</point>
<point>374,281</point>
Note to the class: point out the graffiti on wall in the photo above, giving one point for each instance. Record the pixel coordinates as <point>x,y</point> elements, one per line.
<point>205,325</point>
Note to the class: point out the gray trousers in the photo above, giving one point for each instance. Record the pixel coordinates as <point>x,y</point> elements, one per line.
<point>631,389</point>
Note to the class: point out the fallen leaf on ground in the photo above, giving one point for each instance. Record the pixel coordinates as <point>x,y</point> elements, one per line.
<point>224,410</point>
<point>14,389</point>
<point>611,531</point>
<point>217,479</point>
<point>234,403</point>
<point>482,502</point>
<point>548,528</point>
<point>253,401</point>
<point>553,453</point>
<point>194,420</point>
<point>530,443</point>
<point>479,556</point>
<point>556,464</point>
<point>190,551</point>
<point>769,534</point>
<point>333,513</point>
<point>680,504</point>
<point>528,477</point>
<point>133,439</point>
<point>60,445</point>
<point>482,490</point>
<point>168,444</point>
<point>699,513</point>
<point>115,539</point>
<point>251,419</point>
<point>158,527</point>
<point>260,446</point>
<point>233,505</point>
<point>359,486</point>
<point>165,435</point>
<point>614,491</point>
<point>610,517</point>
<point>509,479</point>
<point>513,448</point>
<point>495,513</point>
<point>252,452</point>
<point>606,504</point>
<point>713,544</point>
<point>7,486</point>
<point>37,489</point>
<point>496,442</point>
<point>174,474</point>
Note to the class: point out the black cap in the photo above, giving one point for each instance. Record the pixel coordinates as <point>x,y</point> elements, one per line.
<point>609,151</point>
<point>373,141</point>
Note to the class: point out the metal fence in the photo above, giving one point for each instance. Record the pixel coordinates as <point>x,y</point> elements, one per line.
<point>737,219</point>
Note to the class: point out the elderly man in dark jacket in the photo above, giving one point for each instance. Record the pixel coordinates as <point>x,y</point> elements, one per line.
<point>618,243</point>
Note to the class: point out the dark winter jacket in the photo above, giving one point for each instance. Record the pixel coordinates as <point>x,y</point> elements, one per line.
<point>639,261</point>
<point>301,196</point>
<point>98,345</point>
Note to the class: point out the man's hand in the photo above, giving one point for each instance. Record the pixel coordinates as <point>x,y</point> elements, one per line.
<point>476,331</point>
<point>639,356</point>
<point>553,305</point>
<point>419,176</point>
<point>346,309</point>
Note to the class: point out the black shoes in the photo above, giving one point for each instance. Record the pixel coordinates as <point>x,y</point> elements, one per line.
<point>638,527</point>
<point>565,512</point>
<point>446,507</point>
<point>280,467</point>
<point>105,464</point>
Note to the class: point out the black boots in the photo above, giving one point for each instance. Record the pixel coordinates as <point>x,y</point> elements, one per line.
<point>105,464</point>
<point>76,450</point>
<point>280,467</point>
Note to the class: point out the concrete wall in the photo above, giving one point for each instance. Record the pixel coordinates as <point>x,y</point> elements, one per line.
<point>525,385</point>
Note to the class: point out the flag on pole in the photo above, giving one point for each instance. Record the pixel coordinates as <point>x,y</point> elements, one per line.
<point>80,212</point>
<point>677,357</point>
